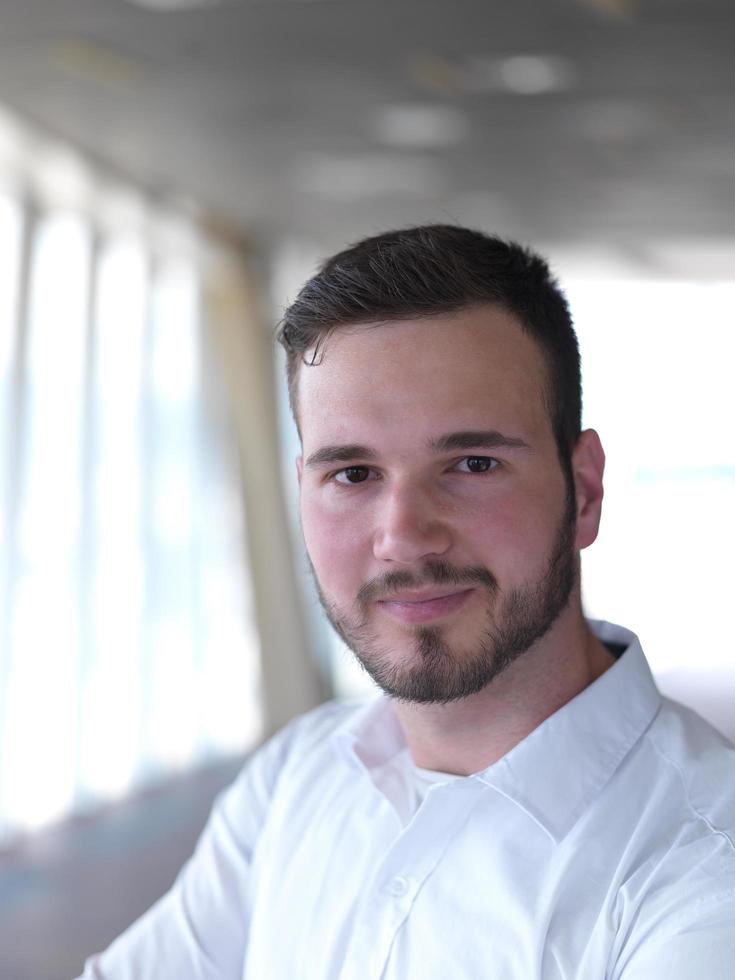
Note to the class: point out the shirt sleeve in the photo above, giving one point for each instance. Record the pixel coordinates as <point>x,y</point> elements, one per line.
<point>702,945</point>
<point>198,929</point>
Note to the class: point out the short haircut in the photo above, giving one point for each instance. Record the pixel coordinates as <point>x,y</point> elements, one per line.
<point>438,269</point>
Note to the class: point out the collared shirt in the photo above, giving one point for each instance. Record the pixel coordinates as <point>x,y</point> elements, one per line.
<point>601,847</point>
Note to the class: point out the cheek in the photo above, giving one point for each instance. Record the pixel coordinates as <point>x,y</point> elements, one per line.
<point>511,538</point>
<point>336,544</point>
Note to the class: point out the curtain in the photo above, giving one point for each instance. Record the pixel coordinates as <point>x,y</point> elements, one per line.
<point>131,620</point>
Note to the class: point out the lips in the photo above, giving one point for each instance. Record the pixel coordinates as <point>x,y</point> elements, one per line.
<point>423,607</point>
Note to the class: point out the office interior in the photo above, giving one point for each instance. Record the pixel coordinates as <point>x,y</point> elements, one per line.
<point>170,172</point>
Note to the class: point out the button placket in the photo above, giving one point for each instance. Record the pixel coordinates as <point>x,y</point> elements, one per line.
<point>417,850</point>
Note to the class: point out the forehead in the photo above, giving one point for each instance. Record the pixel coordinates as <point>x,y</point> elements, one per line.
<point>477,367</point>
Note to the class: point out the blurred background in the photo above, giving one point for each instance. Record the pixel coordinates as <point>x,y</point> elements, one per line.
<point>170,173</point>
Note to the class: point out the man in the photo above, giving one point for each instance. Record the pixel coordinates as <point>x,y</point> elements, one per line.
<point>521,804</point>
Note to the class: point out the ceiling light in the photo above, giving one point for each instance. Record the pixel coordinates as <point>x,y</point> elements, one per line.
<point>522,74</point>
<point>420,126</point>
<point>531,75</point>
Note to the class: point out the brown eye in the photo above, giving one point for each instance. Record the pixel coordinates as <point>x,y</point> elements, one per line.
<point>480,464</point>
<point>353,474</point>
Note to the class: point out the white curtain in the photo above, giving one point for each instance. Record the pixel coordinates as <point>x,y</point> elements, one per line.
<point>129,644</point>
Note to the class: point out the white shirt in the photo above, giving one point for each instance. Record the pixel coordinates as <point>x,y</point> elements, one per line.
<point>601,847</point>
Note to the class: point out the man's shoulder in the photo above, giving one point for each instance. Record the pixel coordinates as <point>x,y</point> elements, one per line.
<point>701,760</point>
<point>667,831</point>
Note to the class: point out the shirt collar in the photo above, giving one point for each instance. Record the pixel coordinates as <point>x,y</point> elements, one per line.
<point>554,773</point>
<point>371,735</point>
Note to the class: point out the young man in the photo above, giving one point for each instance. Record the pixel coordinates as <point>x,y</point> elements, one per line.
<point>521,804</point>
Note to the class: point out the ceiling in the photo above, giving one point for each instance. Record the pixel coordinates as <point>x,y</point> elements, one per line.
<point>597,125</point>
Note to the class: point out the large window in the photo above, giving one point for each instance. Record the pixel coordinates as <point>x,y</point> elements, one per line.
<point>127,642</point>
<point>658,360</point>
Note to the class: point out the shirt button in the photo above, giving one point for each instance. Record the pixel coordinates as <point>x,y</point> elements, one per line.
<point>397,887</point>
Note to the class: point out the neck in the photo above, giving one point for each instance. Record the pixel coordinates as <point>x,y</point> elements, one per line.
<point>471,734</point>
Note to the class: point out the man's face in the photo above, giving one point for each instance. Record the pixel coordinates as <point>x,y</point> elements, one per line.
<point>435,513</point>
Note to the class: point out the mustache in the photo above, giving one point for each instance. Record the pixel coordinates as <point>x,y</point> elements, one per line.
<point>434,572</point>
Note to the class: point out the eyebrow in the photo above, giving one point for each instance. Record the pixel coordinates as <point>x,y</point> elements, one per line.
<point>471,439</point>
<point>466,439</point>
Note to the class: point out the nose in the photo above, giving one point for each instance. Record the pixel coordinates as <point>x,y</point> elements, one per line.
<point>409,527</point>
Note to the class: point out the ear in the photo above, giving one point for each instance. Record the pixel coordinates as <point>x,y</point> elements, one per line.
<point>588,466</point>
<point>299,468</point>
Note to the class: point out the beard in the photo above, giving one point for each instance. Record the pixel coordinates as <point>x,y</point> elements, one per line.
<point>440,673</point>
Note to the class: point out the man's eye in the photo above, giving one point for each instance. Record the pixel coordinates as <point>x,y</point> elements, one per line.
<point>479,464</point>
<point>352,474</point>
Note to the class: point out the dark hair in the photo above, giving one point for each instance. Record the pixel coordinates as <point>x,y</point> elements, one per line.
<point>433,269</point>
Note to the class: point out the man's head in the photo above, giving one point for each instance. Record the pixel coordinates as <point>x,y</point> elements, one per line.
<point>436,269</point>
<point>445,487</point>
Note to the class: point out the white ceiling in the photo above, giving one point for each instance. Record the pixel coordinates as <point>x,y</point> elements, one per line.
<point>329,120</point>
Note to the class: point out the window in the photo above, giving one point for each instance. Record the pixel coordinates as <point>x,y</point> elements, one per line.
<point>128,641</point>
<point>657,360</point>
